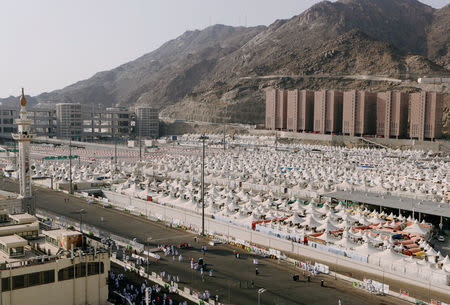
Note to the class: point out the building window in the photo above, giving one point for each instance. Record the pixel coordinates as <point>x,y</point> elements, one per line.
<point>80,270</point>
<point>34,279</point>
<point>95,268</point>
<point>47,276</point>
<point>5,284</point>
<point>18,282</point>
<point>66,274</point>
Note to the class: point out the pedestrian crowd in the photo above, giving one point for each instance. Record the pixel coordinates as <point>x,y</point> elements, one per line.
<point>127,290</point>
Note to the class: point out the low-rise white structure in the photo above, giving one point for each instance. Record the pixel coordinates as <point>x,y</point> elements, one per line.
<point>52,268</point>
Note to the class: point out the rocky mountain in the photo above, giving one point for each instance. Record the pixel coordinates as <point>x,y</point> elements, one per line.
<point>218,74</point>
<point>163,76</point>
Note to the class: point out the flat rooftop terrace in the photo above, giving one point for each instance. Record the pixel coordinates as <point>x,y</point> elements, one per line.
<point>7,195</point>
<point>393,202</point>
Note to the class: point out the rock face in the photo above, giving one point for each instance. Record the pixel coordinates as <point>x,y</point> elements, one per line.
<point>218,74</point>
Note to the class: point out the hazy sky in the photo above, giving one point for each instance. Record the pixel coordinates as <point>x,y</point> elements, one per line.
<point>49,44</point>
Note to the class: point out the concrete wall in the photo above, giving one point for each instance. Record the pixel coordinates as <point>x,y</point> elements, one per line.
<point>234,232</point>
<point>327,139</point>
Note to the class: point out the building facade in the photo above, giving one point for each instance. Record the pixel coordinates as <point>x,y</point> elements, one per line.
<point>43,121</point>
<point>271,108</point>
<point>392,114</point>
<point>359,113</point>
<point>106,123</point>
<point>49,267</point>
<point>300,110</point>
<point>276,109</point>
<point>147,122</point>
<point>425,115</point>
<point>69,121</point>
<point>328,111</point>
<point>7,120</point>
<point>356,113</point>
<point>84,123</point>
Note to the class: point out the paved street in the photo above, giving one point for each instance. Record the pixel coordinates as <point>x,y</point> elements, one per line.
<point>228,271</point>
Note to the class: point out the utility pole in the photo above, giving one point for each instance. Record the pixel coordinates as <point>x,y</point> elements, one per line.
<point>276,140</point>
<point>115,143</point>
<point>260,291</point>
<point>70,165</point>
<point>81,212</point>
<point>203,138</point>
<point>224,135</point>
<point>139,139</point>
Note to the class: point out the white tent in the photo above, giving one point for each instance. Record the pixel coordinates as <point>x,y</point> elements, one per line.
<point>417,229</point>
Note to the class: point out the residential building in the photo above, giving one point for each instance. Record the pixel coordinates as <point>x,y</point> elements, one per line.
<point>392,114</point>
<point>328,111</point>
<point>106,123</point>
<point>276,109</point>
<point>83,123</point>
<point>359,113</point>
<point>7,119</point>
<point>43,121</point>
<point>300,110</point>
<point>147,122</point>
<point>119,119</point>
<point>69,121</point>
<point>425,115</point>
<point>271,108</point>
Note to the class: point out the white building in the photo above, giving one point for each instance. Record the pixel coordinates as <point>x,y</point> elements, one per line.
<point>44,270</point>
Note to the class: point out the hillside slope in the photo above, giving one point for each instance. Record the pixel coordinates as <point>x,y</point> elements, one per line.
<point>218,74</point>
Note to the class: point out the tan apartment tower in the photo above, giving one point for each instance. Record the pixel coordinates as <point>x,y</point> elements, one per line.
<point>300,110</point>
<point>359,113</point>
<point>328,111</point>
<point>392,114</point>
<point>426,115</point>
<point>276,109</point>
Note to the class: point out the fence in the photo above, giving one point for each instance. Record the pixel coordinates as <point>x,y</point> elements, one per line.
<point>185,293</point>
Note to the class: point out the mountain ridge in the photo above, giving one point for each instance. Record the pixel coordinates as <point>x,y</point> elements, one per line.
<point>200,74</point>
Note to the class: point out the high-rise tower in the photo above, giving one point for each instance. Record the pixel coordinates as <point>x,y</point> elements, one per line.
<point>23,136</point>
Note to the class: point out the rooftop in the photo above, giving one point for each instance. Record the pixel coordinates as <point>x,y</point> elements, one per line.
<point>60,232</point>
<point>394,202</point>
<point>13,241</point>
<point>23,218</point>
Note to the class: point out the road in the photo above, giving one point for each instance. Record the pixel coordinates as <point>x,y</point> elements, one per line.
<point>231,275</point>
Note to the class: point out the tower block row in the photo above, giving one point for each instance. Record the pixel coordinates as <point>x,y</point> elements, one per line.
<point>356,113</point>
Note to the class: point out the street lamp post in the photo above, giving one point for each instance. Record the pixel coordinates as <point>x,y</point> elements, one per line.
<point>115,150</point>
<point>429,288</point>
<point>260,291</point>
<point>276,140</point>
<point>203,138</point>
<point>70,165</point>
<point>224,137</point>
<point>139,139</point>
<point>81,212</point>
